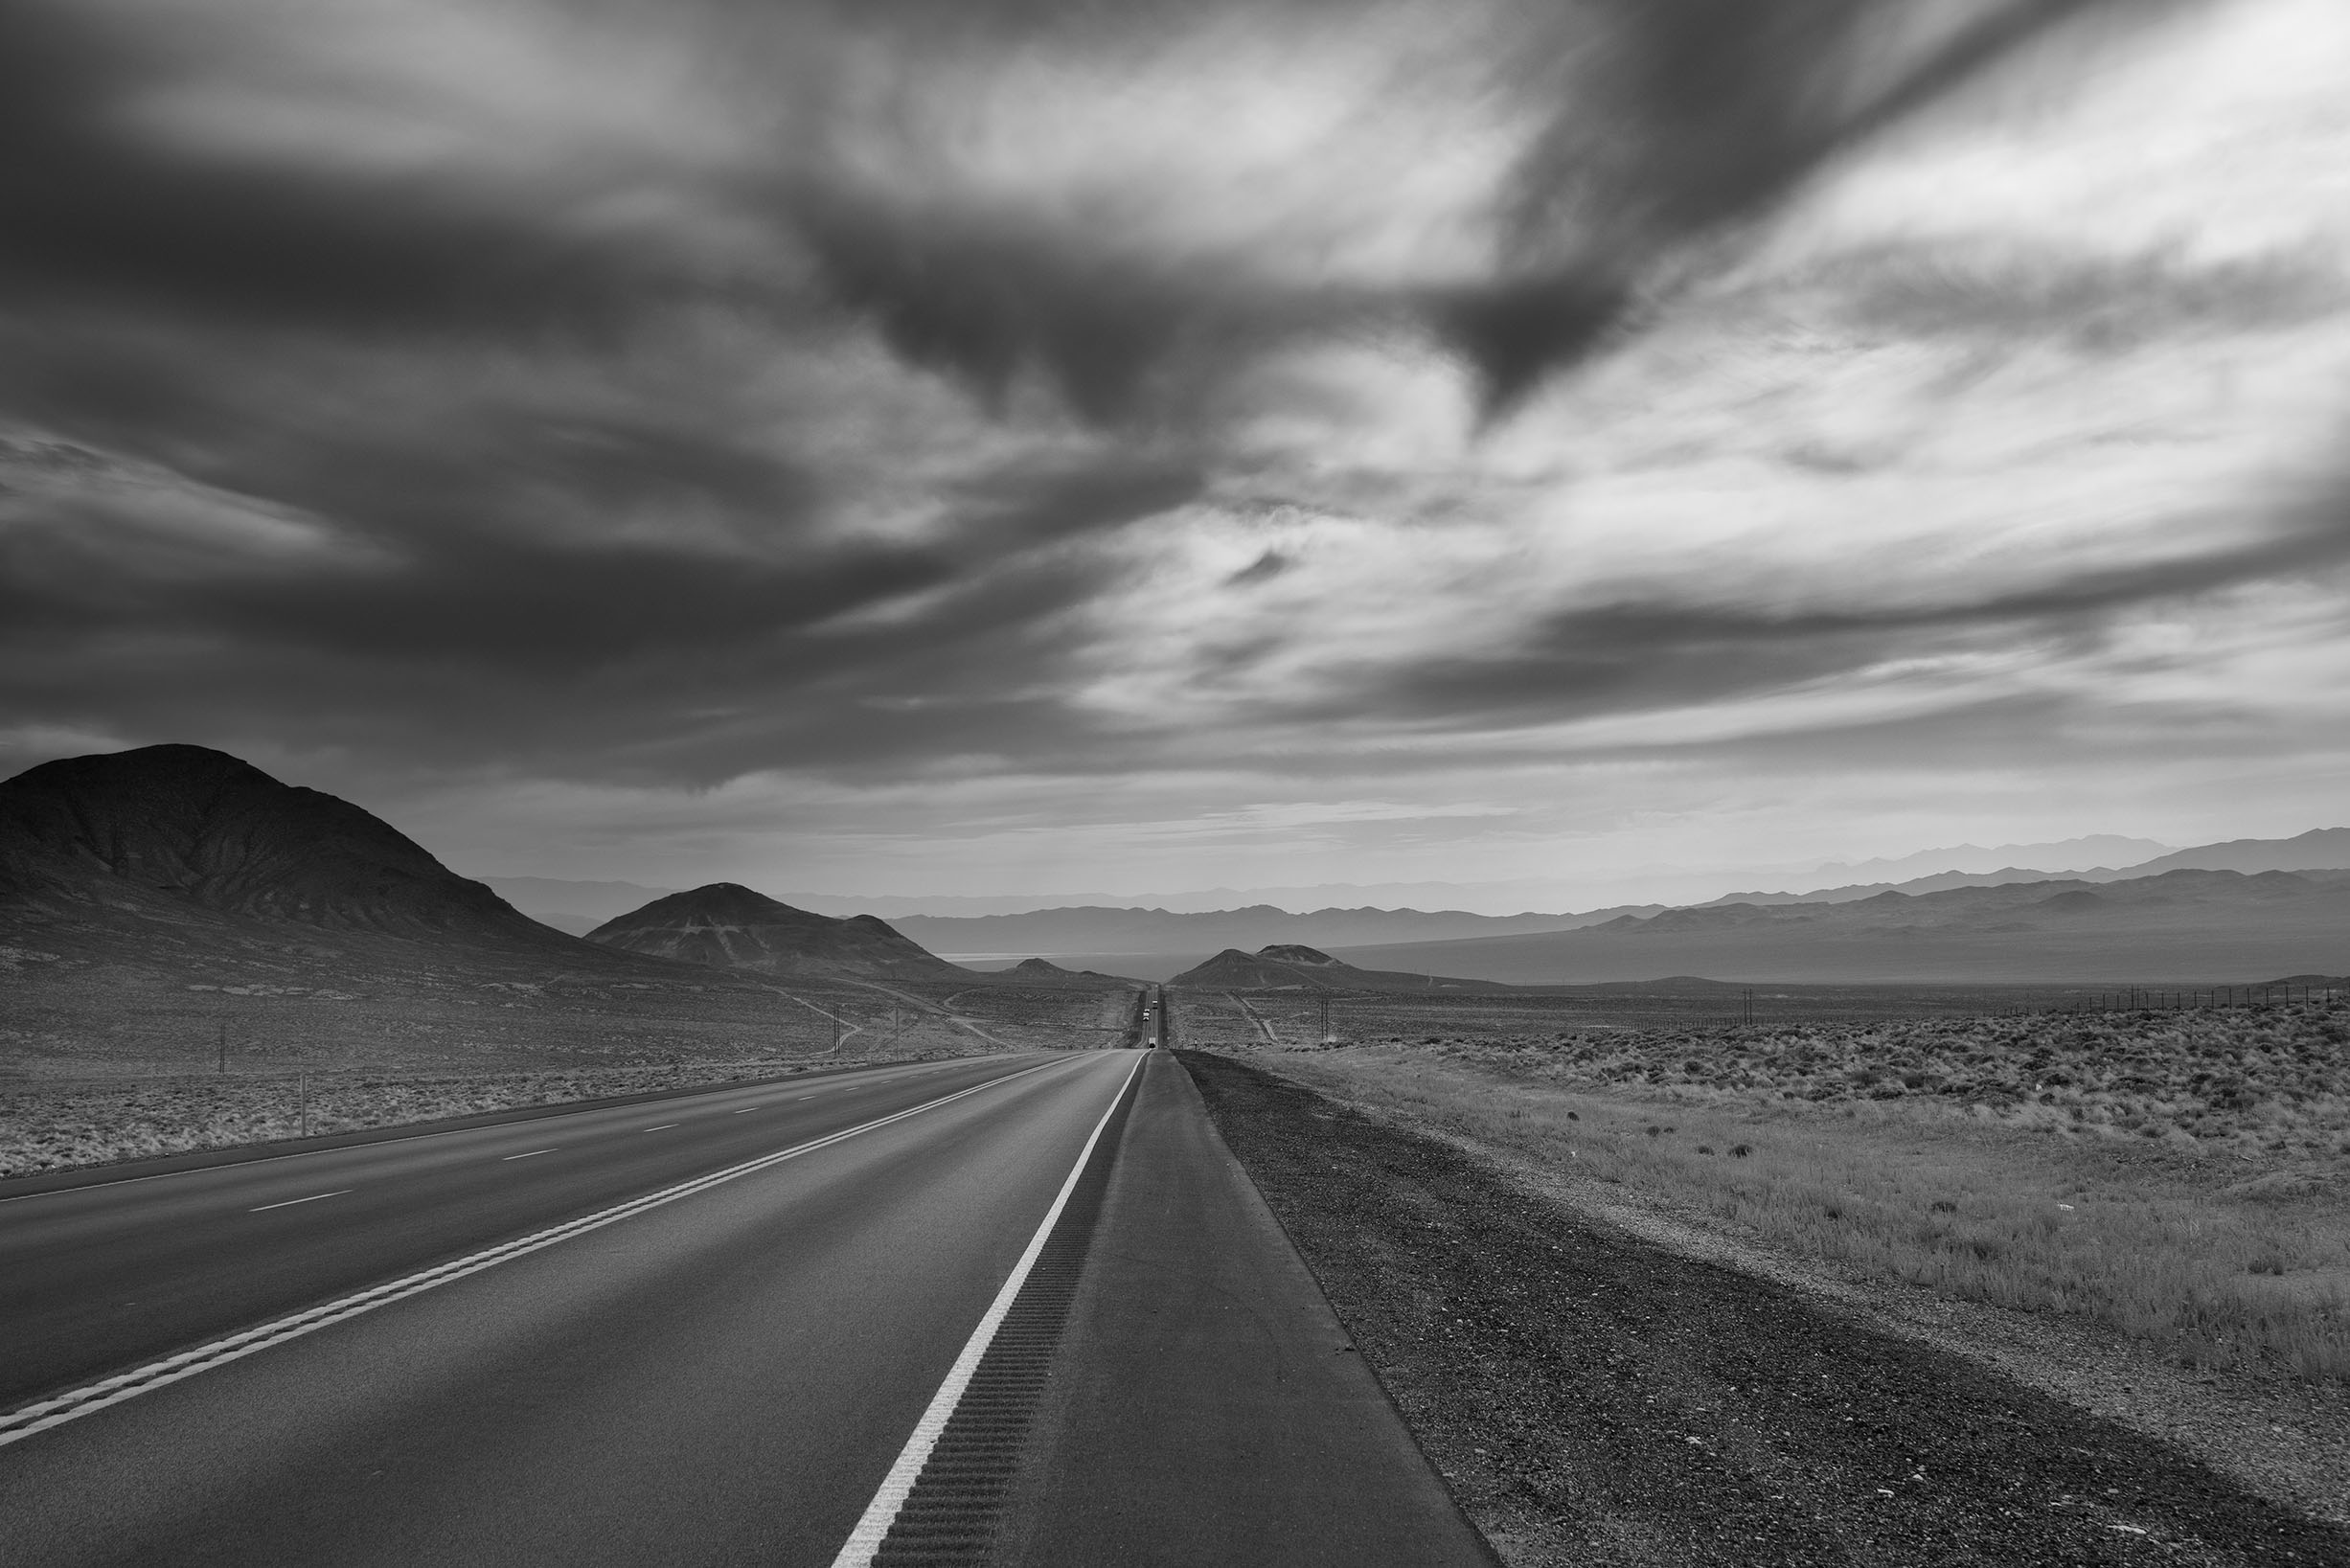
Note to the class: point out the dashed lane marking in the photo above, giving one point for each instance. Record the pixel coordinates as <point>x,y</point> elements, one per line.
<point>548,1150</point>
<point>18,1425</point>
<point>292,1201</point>
<point>663,1128</point>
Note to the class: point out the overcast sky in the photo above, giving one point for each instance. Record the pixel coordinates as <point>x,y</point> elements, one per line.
<point>1006,445</point>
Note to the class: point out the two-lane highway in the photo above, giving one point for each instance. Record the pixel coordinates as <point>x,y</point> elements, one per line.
<point>693,1331</point>
<point>96,1276</point>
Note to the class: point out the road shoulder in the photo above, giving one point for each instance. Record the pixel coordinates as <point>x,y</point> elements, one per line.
<point>1597,1400</point>
<point>1206,1405</point>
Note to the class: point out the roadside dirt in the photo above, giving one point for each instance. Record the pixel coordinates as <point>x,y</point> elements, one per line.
<point>1595,1398</point>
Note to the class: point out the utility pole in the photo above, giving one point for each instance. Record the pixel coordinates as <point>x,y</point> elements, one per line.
<point>1326,1035</point>
<point>224,1046</point>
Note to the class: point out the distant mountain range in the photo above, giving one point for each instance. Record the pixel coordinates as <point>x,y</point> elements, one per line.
<point>2184,924</point>
<point>1156,943</point>
<point>1107,930</point>
<point>1160,939</point>
<point>184,861</point>
<point>2321,849</point>
<point>2070,855</point>
<point>1664,886</point>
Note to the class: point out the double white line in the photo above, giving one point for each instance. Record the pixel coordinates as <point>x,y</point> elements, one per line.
<point>19,1425</point>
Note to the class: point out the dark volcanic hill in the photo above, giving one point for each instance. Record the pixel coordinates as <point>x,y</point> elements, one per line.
<point>174,909</point>
<point>731,927</point>
<point>1043,971</point>
<point>1287,966</point>
<point>170,833</point>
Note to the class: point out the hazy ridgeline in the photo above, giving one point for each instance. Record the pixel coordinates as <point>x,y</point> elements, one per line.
<point>2179,1177</point>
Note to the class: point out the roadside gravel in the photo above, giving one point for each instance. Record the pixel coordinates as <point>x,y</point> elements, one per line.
<point>1597,1398</point>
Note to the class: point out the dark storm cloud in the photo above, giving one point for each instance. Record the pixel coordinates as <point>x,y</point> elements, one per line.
<point>1661,125</point>
<point>2110,305</point>
<point>603,596</point>
<point>1033,503</point>
<point>1681,122</point>
<point>625,669</point>
<point>987,305</point>
<point>102,210</point>
<point>498,513</point>
<point>513,602</point>
<point>1665,127</point>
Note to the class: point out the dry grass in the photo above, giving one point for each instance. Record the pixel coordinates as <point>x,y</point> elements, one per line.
<point>2264,1083</point>
<point>103,1060</point>
<point>54,1127</point>
<point>2179,1178</point>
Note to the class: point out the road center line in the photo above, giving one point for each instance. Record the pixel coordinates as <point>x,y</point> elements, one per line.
<point>313,1198</point>
<point>532,1151</point>
<point>865,1540</point>
<point>18,1425</point>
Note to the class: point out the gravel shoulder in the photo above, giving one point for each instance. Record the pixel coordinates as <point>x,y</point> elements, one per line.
<point>1613,1389</point>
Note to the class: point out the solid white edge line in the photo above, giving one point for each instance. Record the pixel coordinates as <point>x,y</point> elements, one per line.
<point>20,1424</point>
<point>865,1540</point>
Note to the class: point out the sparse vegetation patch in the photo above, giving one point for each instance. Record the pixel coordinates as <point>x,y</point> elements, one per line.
<point>2179,1178</point>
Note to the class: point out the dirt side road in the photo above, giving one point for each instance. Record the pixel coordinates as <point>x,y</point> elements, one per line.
<point>1595,1401</point>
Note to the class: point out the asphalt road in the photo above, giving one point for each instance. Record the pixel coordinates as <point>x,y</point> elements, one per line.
<point>715,1329</point>
<point>720,1379</point>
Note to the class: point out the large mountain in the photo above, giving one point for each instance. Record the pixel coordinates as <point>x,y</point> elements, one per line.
<point>1288,966</point>
<point>729,926</point>
<point>2180,926</point>
<point>173,909</point>
<point>173,834</point>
